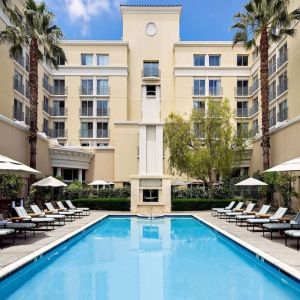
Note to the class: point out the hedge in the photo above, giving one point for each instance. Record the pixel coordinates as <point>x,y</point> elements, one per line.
<point>117,204</point>
<point>198,204</point>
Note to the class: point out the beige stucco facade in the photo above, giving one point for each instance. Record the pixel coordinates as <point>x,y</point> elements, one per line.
<point>97,102</point>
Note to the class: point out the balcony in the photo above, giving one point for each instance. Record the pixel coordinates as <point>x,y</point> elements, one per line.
<point>254,87</point>
<point>200,110</point>
<point>272,95</point>
<point>58,133</point>
<point>272,69</point>
<point>46,85</point>
<point>19,86</point>
<point>151,73</point>
<point>86,112</point>
<point>86,90</point>
<point>59,90</point>
<point>282,115</point>
<point>18,114</point>
<point>215,91</point>
<point>253,110</point>
<point>242,91</point>
<point>102,133</point>
<point>282,59</point>
<point>86,133</point>
<point>198,91</point>
<point>103,90</point>
<point>272,121</point>
<point>59,111</point>
<point>27,92</point>
<point>254,131</point>
<point>242,113</point>
<point>282,87</point>
<point>102,112</point>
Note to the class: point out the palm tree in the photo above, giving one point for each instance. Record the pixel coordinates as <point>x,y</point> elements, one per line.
<point>261,23</point>
<point>36,32</point>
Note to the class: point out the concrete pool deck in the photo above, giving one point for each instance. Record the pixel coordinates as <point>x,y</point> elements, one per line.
<point>12,257</point>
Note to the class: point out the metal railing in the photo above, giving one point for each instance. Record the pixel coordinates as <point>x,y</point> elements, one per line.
<point>282,115</point>
<point>58,133</point>
<point>151,72</point>
<point>18,114</point>
<point>103,90</point>
<point>272,69</point>
<point>201,110</point>
<point>282,59</point>
<point>272,95</point>
<point>215,91</point>
<point>242,113</point>
<point>27,92</point>
<point>86,90</point>
<point>46,85</point>
<point>282,87</point>
<point>86,133</point>
<point>59,111</point>
<point>19,86</point>
<point>102,112</point>
<point>102,133</point>
<point>253,131</point>
<point>198,91</point>
<point>272,121</point>
<point>254,87</point>
<point>59,90</point>
<point>86,112</point>
<point>241,91</point>
<point>253,110</point>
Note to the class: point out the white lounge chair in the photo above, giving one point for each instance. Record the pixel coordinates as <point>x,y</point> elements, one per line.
<point>280,227</point>
<point>78,213</point>
<point>22,213</point>
<point>4,233</point>
<point>228,208</point>
<point>58,217</point>
<point>223,212</point>
<point>280,213</point>
<point>51,208</point>
<point>233,214</point>
<point>239,219</point>
<point>293,234</point>
<point>84,209</point>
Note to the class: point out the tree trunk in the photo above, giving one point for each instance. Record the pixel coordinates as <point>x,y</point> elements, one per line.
<point>33,87</point>
<point>264,77</point>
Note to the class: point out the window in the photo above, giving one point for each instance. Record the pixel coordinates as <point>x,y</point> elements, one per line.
<point>46,104</point>
<point>151,90</point>
<point>214,87</point>
<point>27,115</point>
<point>255,54</point>
<point>242,88</point>
<point>199,87</point>
<point>102,59</point>
<point>151,69</point>
<point>61,61</point>
<point>242,109</point>
<point>102,144</point>
<point>199,60</point>
<point>283,84</point>
<point>46,126</point>
<point>86,86</point>
<point>59,87</point>
<point>214,60</point>
<point>242,60</point>
<point>242,129</point>
<point>87,108</point>
<point>58,108</point>
<point>272,91</point>
<point>58,129</point>
<point>85,144</point>
<point>102,87</point>
<point>102,108</point>
<point>18,82</point>
<point>87,59</point>
<point>272,65</point>
<point>150,195</point>
<point>87,129</point>
<point>198,131</point>
<point>70,174</point>
<point>283,55</point>
<point>283,111</point>
<point>254,108</point>
<point>255,128</point>
<point>272,117</point>
<point>18,113</point>
<point>199,106</point>
<point>102,130</point>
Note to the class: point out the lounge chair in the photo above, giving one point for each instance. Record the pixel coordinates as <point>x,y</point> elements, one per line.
<point>84,209</point>
<point>228,208</point>
<point>263,219</point>
<point>51,208</point>
<point>17,226</point>
<point>293,234</point>
<point>281,227</point>
<point>5,232</point>
<point>25,217</point>
<point>60,218</point>
<point>231,215</point>
<point>223,212</point>
<point>78,213</point>
<point>240,219</point>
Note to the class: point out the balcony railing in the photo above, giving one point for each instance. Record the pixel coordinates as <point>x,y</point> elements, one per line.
<point>254,87</point>
<point>18,114</point>
<point>20,60</point>
<point>282,115</point>
<point>272,121</point>
<point>86,112</point>
<point>198,91</point>
<point>242,91</point>
<point>102,133</point>
<point>215,91</point>
<point>282,59</point>
<point>242,113</point>
<point>201,110</point>
<point>59,90</point>
<point>282,87</point>
<point>254,131</point>
<point>151,72</point>
<point>103,90</point>
<point>272,69</point>
<point>272,95</point>
<point>19,86</point>
<point>47,85</point>
<point>59,111</point>
<point>27,92</point>
<point>253,110</point>
<point>58,133</point>
<point>86,133</point>
<point>102,112</point>
<point>86,90</point>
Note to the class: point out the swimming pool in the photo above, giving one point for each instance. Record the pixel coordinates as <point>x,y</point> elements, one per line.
<point>132,258</point>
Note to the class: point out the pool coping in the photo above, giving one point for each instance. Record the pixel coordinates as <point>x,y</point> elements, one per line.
<point>261,255</point>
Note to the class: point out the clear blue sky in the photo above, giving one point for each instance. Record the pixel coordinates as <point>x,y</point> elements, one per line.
<point>100,19</point>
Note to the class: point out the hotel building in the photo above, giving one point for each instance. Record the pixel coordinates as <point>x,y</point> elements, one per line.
<point>101,113</point>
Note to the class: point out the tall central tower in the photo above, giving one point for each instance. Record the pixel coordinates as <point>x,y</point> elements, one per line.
<point>151,32</point>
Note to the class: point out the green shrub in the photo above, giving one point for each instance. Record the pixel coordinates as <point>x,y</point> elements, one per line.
<point>112,193</point>
<point>198,204</point>
<point>10,185</point>
<point>200,193</point>
<point>117,204</point>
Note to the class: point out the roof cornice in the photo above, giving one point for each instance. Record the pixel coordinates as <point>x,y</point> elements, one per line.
<point>93,43</point>
<point>206,44</point>
<point>153,9</point>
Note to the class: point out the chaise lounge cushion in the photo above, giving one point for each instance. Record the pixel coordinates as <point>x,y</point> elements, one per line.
<point>293,233</point>
<point>6,231</point>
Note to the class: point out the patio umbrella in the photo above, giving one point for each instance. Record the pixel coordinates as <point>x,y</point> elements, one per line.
<point>251,182</point>
<point>288,166</point>
<point>99,182</point>
<point>49,182</point>
<point>8,165</point>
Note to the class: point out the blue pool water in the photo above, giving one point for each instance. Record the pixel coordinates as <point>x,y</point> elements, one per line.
<point>140,259</point>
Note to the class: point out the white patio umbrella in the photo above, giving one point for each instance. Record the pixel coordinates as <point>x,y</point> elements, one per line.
<point>251,182</point>
<point>288,166</point>
<point>49,182</point>
<point>99,182</point>
<point>10,165</point>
